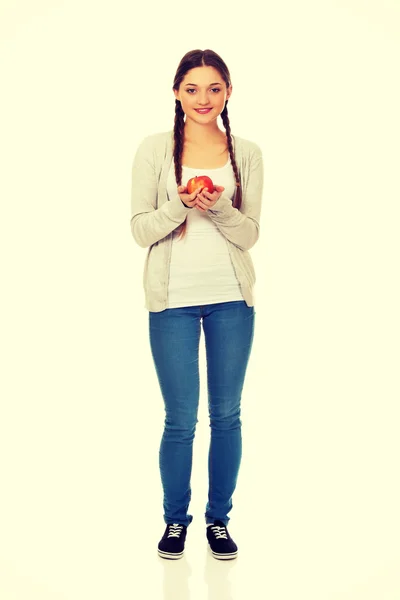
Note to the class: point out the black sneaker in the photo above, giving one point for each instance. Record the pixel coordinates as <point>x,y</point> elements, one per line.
<point>222,545</point>
<point>172,542</point>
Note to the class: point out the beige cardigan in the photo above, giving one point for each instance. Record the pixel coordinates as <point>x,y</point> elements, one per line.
<point>154,216</point>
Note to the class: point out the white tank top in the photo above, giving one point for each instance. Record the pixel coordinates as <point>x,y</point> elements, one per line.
<point>201,270</point>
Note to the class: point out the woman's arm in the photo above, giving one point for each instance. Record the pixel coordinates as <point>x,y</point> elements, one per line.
<point>148,223</point>
<point>242,227</point>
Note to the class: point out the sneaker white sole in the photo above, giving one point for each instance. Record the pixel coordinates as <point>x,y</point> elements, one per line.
<point>225,556</point>
<point>170,555</point>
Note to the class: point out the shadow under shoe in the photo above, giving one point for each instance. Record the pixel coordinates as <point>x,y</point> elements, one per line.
<point>222,545</point>
<point>172,543</point>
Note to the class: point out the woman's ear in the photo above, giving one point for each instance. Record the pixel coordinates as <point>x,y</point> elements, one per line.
<point>176,93</point>
<point>228,92</point>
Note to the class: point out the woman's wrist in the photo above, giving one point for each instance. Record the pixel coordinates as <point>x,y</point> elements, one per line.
<point>185,204</point>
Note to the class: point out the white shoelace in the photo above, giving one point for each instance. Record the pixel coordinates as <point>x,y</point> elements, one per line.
<point>219,532</point>
<point>175,530</point>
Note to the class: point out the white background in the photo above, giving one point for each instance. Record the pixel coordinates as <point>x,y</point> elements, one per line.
<point>315,513</point>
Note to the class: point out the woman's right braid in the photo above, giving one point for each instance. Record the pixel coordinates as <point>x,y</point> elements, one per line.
<point>178,141</point>
<point>178,151</point>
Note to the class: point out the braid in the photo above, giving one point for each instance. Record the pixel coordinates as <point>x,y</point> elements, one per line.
<point>178,141</point>
<point>178,150</point>
<point>237,201</point>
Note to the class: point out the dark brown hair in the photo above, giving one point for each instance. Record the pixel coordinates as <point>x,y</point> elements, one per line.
<point>191,60</point>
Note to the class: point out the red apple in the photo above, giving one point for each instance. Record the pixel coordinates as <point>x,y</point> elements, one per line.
<point>198,182</point>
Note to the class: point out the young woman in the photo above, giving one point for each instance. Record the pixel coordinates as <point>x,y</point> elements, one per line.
<point>198,271</point>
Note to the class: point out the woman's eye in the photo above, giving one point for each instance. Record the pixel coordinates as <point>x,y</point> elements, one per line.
<point>190,90</point>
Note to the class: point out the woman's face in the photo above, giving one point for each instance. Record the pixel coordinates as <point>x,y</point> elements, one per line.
<point>203,87</point>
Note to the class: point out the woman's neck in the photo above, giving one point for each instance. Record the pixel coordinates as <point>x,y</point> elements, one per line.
<point>202,135</point>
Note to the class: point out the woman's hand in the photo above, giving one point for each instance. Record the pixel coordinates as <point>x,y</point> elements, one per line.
<point>188,199</point>
<point>205,200</point>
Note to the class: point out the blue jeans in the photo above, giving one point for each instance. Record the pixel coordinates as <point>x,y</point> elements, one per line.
<point>174,340</point>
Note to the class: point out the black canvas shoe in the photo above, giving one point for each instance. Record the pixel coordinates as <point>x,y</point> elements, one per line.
<point>222,545</point>
<point>172,543</point>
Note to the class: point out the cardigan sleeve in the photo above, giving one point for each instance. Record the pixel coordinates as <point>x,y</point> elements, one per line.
<point>242,226</point>
<point>148,223</point>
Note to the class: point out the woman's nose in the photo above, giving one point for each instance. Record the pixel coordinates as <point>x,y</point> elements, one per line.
<point>203,99</point>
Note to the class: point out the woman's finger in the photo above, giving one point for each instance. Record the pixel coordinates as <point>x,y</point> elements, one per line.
<point>195,193</point>
<point>202,203</point>
<point>205,198</point>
